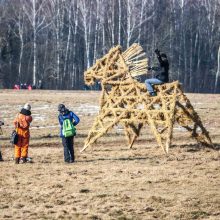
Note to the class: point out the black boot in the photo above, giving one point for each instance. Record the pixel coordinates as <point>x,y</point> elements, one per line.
<point>1,159</point>
<point>23,160</point>
<point>17,160</point>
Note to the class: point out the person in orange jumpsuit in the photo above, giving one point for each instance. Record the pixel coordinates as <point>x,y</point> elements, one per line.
<point>22,124</point>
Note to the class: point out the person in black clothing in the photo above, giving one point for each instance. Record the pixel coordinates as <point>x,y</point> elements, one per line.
<point>163,73</point>
<point>68,142</point>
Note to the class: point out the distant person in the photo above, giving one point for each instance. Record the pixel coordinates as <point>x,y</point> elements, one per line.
<point>85,87</point>
<point>22,124</point>
<point>1,123</point>
<point>68,120</point>
<point>29,87</point>
<point>162,73</point>
<point>40,84</point>
<point>98,86</point>
<point>21,86</point>
<point>16,87</point>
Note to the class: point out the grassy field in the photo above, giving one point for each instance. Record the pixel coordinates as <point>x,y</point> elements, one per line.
<point>108,180</point>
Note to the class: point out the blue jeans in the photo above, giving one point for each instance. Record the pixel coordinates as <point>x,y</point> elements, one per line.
<point>152,81</point>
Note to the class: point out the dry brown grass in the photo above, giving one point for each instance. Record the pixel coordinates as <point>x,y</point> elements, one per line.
<point>108,181</point>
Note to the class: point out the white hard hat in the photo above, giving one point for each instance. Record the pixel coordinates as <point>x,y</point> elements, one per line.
<point>27,106</point>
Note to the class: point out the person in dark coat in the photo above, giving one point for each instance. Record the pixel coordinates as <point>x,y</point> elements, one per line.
<point>68,142</point>
<point>162,73</point>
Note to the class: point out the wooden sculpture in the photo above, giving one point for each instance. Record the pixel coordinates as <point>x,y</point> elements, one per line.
<point>126,101</point>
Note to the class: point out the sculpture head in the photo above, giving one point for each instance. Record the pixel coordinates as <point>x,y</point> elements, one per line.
<point>99,69</point>
<point>94,73</point>
<point>116,64</point>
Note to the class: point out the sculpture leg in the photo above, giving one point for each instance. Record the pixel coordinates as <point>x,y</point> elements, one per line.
<point>100,127</point>
<point>189,119</point>
<point>132,132</point>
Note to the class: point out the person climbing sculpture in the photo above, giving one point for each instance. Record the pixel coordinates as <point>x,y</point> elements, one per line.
<point>162,73</point>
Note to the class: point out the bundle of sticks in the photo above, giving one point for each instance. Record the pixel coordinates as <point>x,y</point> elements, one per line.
<point>136,60</point>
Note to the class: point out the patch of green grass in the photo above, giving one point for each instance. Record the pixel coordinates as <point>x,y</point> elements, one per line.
<point>199,214</point>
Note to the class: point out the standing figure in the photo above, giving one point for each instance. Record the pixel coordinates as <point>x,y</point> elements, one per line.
<point>67,120</point>
<point>1,123</point>
<point>22,124</point>
<point>163,73</point>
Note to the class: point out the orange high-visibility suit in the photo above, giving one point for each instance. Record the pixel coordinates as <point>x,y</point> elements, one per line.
<point>22,124</point>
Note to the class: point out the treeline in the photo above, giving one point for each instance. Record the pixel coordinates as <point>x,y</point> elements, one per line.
<point>55,41</point>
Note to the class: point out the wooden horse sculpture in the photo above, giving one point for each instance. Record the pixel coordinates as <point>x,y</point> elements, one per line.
<point>126,101</point>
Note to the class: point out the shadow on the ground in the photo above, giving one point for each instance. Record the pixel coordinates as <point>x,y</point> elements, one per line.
<point>115,159</point>
<point>189,148</point>
<point>198,147</point>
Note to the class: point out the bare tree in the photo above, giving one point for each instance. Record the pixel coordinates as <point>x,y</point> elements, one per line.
<point>19,30</point>
<point>218,71</point>
<point>85,7</point>
<point>57,40</point>
<point>34,11</point>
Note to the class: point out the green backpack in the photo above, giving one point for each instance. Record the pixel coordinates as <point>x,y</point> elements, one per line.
<point>68,128</point>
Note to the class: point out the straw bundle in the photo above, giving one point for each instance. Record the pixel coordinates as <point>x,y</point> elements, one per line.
<point>136,60</point>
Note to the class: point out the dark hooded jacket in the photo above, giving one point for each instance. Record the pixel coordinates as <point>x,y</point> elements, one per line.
<point>163,70</point>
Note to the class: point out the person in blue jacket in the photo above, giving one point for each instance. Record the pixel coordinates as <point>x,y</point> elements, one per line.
<point>68,142</point>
